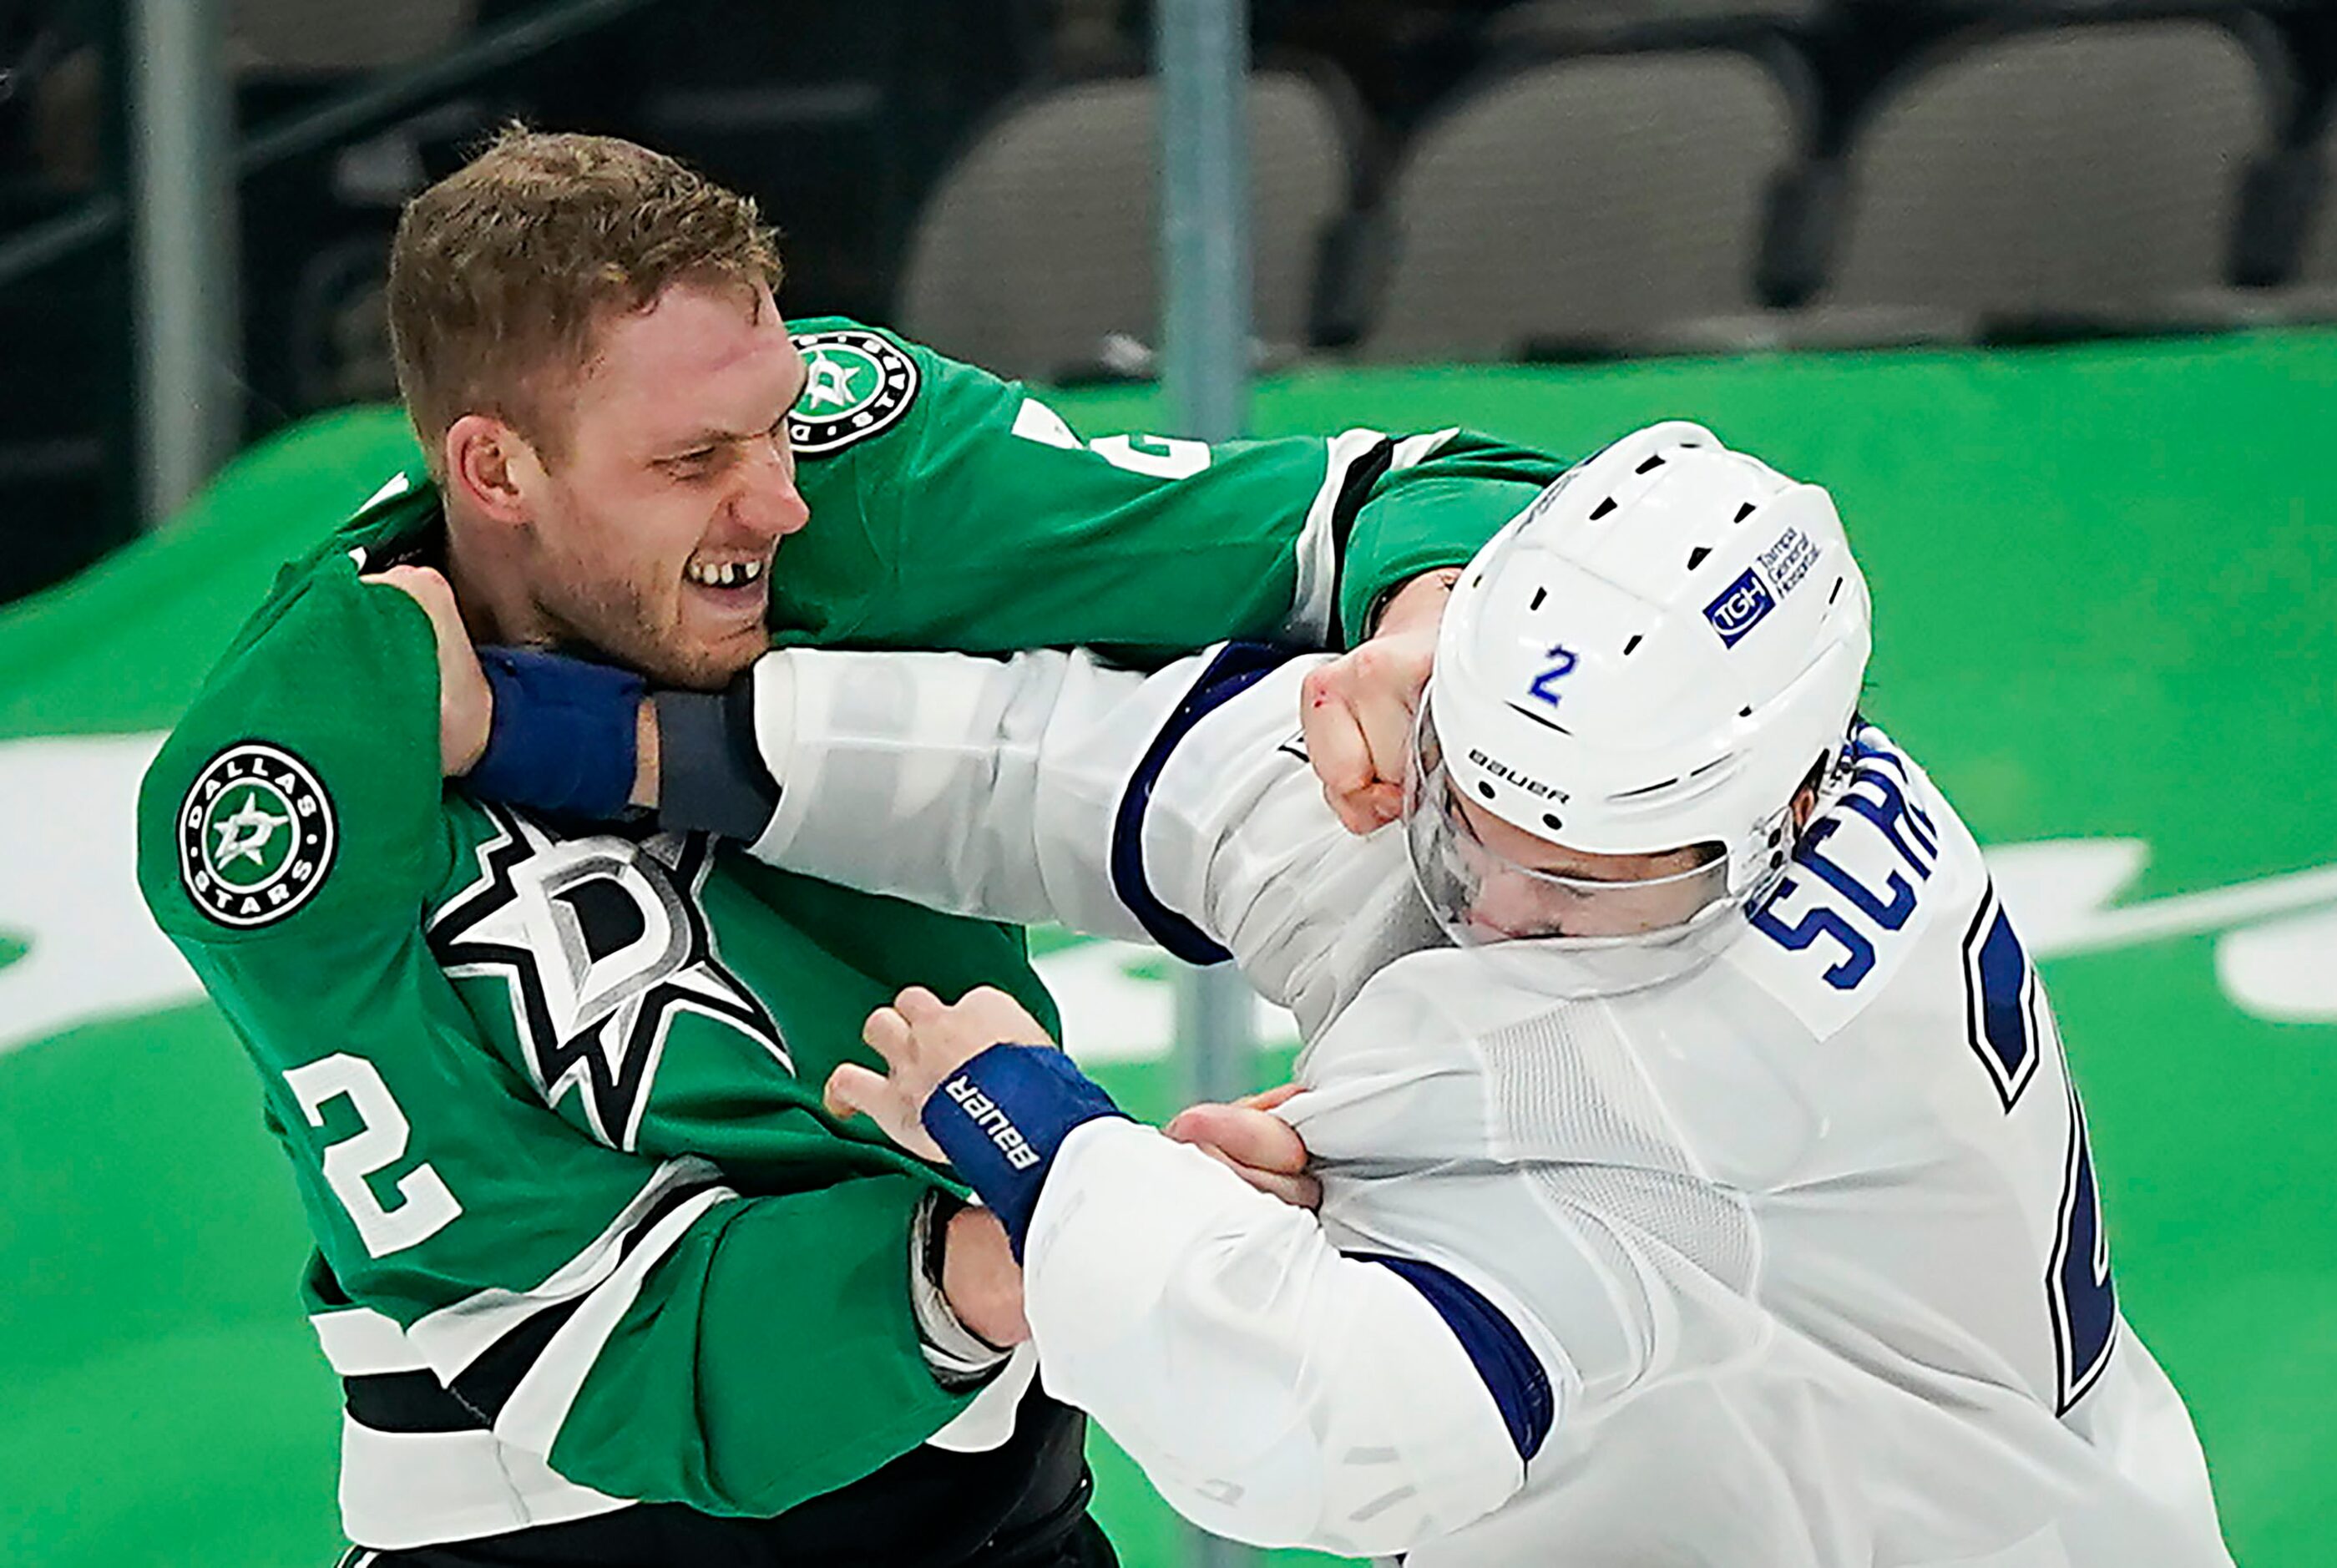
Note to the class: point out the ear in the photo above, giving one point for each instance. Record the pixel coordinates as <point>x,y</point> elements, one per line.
<point>1805,804</point>
<point>490,469</point>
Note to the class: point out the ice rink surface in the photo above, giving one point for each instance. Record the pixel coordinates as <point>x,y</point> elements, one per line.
<point>2106,590</point>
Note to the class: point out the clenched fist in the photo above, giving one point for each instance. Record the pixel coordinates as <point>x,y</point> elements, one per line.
<point>1356,710</point>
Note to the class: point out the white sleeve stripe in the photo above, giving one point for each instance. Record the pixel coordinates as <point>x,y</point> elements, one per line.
<point>359,1342</point>
<point>531,1417</point>
<point>1314,603</point>
<point>396,484</point>
<point>404,1490</point>
<point>1414,449</point>
<point>451,1338</point>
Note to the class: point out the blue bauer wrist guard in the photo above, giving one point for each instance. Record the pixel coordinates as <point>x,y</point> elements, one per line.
<point>564,736</point>
<point>1002,1117</point>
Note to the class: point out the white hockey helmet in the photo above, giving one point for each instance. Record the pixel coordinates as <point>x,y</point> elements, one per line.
<point>1653,656</point>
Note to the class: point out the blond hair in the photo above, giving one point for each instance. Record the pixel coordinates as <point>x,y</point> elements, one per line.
<point>502,273</point>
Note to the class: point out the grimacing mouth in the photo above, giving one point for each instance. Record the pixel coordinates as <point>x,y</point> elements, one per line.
<point>731,573</point>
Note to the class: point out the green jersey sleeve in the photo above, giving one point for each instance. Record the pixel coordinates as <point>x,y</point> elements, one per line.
<point>303,784</point>
<point>1433,507</point>
<point>642,1317</point>
<point>951,509</point>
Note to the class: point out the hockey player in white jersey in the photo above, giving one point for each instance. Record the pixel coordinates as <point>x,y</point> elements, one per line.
<point>1703,1181</point>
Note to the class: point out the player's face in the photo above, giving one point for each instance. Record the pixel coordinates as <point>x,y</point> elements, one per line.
<point>657,529</point>
<point>1529,886</point>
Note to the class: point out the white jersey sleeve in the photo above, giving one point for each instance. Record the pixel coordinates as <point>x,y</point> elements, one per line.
<point>1273,1387</point>
<point>1273,1390</point>
<point>1177,808</point>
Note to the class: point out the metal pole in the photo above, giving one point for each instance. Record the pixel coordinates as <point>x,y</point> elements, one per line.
<point>1202,56</point>
<point>182,203</point>
<point>1202,49</point>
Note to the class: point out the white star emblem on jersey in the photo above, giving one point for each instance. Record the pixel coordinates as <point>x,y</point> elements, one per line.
<point>605,945</point>
<point>829,385</point>
<point>246,832</point>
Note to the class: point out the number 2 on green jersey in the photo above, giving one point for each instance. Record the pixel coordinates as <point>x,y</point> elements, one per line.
<point>426,1205</point>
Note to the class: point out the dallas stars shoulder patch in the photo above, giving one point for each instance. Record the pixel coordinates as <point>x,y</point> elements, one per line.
<point>255,835</point>
<point>859,384</point>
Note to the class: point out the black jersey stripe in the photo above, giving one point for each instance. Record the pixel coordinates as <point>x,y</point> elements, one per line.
<point>406,1402</point>
<point>486,1385</point>
<point>1354,489</point>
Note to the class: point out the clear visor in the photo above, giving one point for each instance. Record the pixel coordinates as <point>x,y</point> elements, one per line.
<point>1572,934</point>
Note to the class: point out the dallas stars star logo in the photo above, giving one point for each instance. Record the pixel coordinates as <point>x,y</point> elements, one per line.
<point>255,835</point>
<point>857,384</point>
<point>244,835</point>
<point>828,382</point>
<point>604,945</point>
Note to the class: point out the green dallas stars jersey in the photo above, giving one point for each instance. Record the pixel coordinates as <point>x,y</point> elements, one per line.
<point>552,1093</point>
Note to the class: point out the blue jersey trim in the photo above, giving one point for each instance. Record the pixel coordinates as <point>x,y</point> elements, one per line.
<point>1002,1117</point>
<point>1512,1376</point>
<point>1236,668</point>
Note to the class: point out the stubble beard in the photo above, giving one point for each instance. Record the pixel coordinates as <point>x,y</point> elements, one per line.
<point>613,620</point>
<point>622,619</point>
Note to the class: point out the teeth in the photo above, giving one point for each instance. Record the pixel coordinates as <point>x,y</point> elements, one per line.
<point>724,574</point>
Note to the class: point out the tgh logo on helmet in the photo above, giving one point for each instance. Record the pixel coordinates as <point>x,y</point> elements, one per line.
<point>1740,607</point>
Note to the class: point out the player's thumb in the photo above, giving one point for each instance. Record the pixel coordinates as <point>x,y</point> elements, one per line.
<point>1244,1136</point>
<point>1268,1099</point>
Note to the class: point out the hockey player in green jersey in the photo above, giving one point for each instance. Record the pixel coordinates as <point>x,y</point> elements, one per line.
<point>604,1282</point>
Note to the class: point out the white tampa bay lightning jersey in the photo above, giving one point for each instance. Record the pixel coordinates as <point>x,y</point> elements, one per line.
<point>1806,1246</point>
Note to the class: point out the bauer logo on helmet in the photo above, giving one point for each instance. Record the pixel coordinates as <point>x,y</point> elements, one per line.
<point>1523,781</point>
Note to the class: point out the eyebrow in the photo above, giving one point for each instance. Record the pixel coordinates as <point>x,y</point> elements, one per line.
<point>690,445</point>
<point>697,441</point>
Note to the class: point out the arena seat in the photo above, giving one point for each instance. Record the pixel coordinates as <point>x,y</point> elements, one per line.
<point>1967,11</point>
<point>2087,173</point>
<point>1576,205</point>
<point>1040,243</point>
<point>319,37</point>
